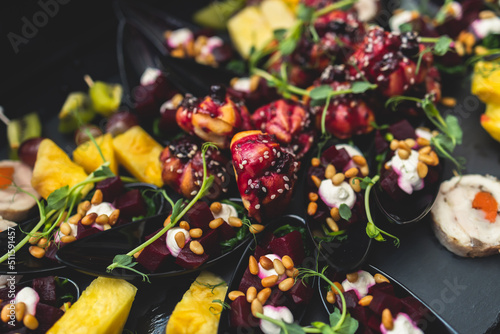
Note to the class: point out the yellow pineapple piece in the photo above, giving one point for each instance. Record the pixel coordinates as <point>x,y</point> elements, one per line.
<point>102,308</point>
<point>486,81</point>
<point>278,15</point>
<point>196,312</point>
<point>54,169</point>
<point>139,153</point>
<point>87,156</point>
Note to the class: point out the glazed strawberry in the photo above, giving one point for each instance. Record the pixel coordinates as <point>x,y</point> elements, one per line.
<point>290,122</point>
<point>216,118</point>
<point>265,173</point>
<point>183,168</point>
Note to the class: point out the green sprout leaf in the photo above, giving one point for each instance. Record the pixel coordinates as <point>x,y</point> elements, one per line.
<point>305,13</point>
<point>345,211</point>
<point>442,45</point>
<point>359,87</point>
<point>57,199</point>
<point>320,92</point>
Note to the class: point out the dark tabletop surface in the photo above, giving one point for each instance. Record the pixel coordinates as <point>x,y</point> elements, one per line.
<point>81,39</point>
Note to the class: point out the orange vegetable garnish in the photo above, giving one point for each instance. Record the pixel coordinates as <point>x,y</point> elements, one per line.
<point>486,202</point>
<point>6,175</point>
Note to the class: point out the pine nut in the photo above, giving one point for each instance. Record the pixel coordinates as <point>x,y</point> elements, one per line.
<point>286,284</point>
<point>184,225</point>
<point>352,277</point>
<point>34,238</point>
<point>251,294</point>
<point>97,198</point>
<point>83,207</point>
<point>365,170</point>
<point>68,239</point>
<point>335,214</point>
<point>37,251</point>
<point>235,294</point>
<point>410,142</point>
<point>166,222</point>
<point>266,262</point>
<point>180,239</point>
<point>316,180</point>
<point>313,197</point>
<point>330,171</point>
<point>394,144</point>
<point>113,217</point>
<point>435,158</point>
<point>43,242</point>
<point>422,142</point>
<point>102,219</point>
<point>256,307</point>
<point>422,169</point>
<point>355,184</point>
<point>379,278</point>
<point>332,224</point>
<point>387,319</point>
<point>315,162</point>
<point>253,267</point>
<point>235,222</point>
<point>64,216</point>
<point>65,229</point>
<point>338,178</point>
<point>195,233</point>
<point>20,311</point>
<point>426,159</point>
<point>256,228</point>
<point>106,227</point>
<point>75,219</point>
<point>287,262</point>
<point>359,160</point>
<point>312,207</point>
<point>425,150</point>
<point>279,267</point>
<point>351,172</point>
<point>403,154</point>
<point>339,286</point>
<point>89,219</point>
<point>137,254</point>
<point>216,207</point>
<point>269,281</point>
<point>294,272</point>
<point>366,300</point>
<point>5,315</point>
<point>387,166</point>
<point>196,247</point>
<point>263,295</point>
<point>403,146</point>
<point>486,14</point>
<point>254,82</point>
<point>30,322</point>
<point>216,223</point>
<point>330,297</point>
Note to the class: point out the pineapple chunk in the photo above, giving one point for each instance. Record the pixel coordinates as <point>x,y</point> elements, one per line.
<point>103,308</point>
<point>277,14</point>
<point>87,156</point>
<point>490,121</point>
<point>54,169</point>
<point>486,81</point>
<point>196,313</point>
<point>139,153</point>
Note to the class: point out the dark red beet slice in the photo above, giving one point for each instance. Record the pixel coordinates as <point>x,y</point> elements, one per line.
<point>338,158</point>
<point>46,289</point>
<point>47,315</point>
<point>351,300</point>
<point>241,314</point>
<point>189,260</point>
<point>50,252</point>
<point>210,242</point>
<point>226,232</point>
<point>131,204</point>
<point>155,255</point>
<point>402,130</point>
<point>280,298</point>
<point>290,244</point>
<point>380,143</point>
<point>86,231</point>
<point>414,308</point>
<point>382,287</point>
<point>260,251</point>
<point>382,301</point>
<point>374,323</point>
<point>111,188</point>
<point>4,294</point>
<point>249,280</point>
<point>361,313</point>
<point>300,293</point>
<point>389,184</point>
<point>199,216</point>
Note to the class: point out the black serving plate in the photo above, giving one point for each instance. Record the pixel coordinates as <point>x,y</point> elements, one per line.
<point>25,263</point>
<point>432,322</point>
<point>92,255</point>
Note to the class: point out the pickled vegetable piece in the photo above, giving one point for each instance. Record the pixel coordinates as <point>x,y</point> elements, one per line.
<point>87,156</point>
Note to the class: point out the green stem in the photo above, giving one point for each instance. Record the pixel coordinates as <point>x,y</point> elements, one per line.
<point>323,115</point>
<point>332,7</point>
<point>367,197</point>
<point>428,39</point>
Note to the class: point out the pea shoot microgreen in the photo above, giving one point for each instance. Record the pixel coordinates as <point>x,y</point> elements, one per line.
<point>440,46</point>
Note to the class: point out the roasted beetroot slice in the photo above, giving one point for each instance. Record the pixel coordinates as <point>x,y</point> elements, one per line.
<point>210,242</point>
<point>226,232</point>
<point>402,130</point>
<point>189,260</point>
<point>382,301</point>
<point>280,298</point>
<point>380,143</point>
<point>338,158</point>
<point>249,280</point>
<point>50,252</point>
<point>389,184</point>
<point>415,309</point>
<point>301,293</point>
<point>47,315</point>
<point>85,232</point>
<point>4,294</point>
<point>199,216</point>
<point>374,323</point>
<point>351,300</point>
<point>241,314</point>
<point>46,289</point>
<point>155,255</point>
<point>382,287</point>
<point>131,204</point>
<point>111,188</point>
<point>362,314</point>
<point>290,244</point>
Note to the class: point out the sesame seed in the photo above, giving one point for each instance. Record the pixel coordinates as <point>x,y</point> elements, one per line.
<point>241,166</point>
<point>257,206</point>
<point>273,196</point>
<point>286,178</point>
<point>194,192</point>
<point>261,159</point>
<point>179,171</point>
<point>249,181</point>
<point>264,189</point>
<point>280,191</point>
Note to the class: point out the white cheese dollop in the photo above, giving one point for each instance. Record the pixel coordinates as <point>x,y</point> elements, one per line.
<point>74,232</point>
<point>367,9</point>
<point>212,43</point>
<point>276,312</point>
<point>484,27</point>
<point>397,20</point>
<point>172,244</point>
<point>334,196</point>
<point>242,85</point>
<point>30,297</point>
<point>423,133</point>
<point>227,211</point>
<point>149,76</point>
<point>402,325</point>
<point>361,286</point>
<point>408,179</point>
<point>179,37</point>
<point>105,208</point>
<point>263,273</point>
